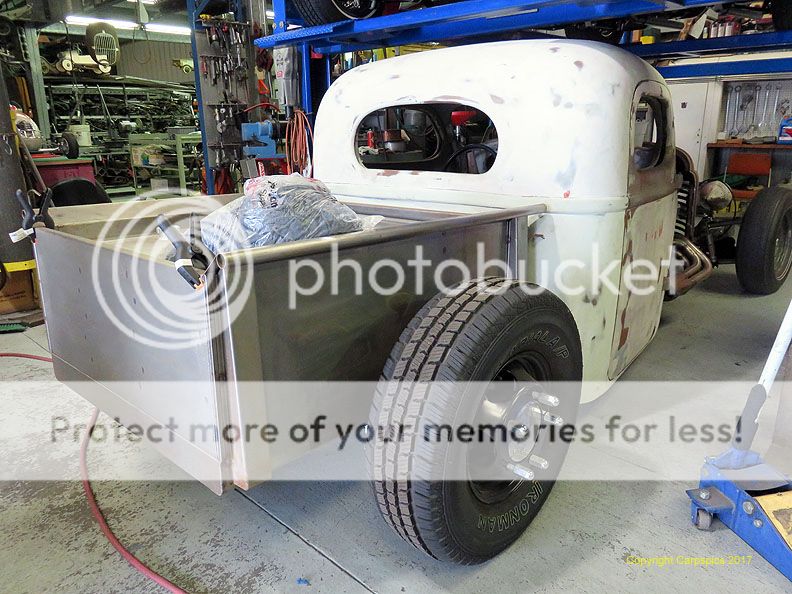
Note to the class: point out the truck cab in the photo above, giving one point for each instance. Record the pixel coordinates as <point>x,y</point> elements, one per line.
<point>583,128</point>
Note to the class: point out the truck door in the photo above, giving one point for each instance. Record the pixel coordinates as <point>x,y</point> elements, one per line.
<point>648,224</point>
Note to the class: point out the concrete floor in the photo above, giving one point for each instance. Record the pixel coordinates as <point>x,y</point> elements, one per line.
<point>330,533</point>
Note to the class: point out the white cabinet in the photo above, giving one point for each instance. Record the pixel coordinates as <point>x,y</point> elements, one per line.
<point>697,115</point>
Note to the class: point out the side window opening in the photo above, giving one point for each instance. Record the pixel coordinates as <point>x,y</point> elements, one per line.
<point>429,137</point>
<point>649,133</point>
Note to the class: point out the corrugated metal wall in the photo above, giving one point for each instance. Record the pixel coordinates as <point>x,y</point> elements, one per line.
<point>154,60</point>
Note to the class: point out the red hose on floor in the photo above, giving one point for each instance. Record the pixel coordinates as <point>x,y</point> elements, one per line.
<point>103,525</point>
<point>92,503</point>
<point>26,356</point>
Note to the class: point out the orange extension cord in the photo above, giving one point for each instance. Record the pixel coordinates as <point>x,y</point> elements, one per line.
<point>299,137</point>
<point>92,503</point>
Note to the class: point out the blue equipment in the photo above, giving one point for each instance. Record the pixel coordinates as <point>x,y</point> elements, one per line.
<point>748,495</point>
<point>258,140</point>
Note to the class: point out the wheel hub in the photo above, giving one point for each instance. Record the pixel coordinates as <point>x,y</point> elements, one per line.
<point>782,258</point>
<point>526,411</point>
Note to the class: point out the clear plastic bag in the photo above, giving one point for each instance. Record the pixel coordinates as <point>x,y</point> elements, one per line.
<point>279,209</point>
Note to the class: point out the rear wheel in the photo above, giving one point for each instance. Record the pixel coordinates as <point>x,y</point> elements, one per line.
<point>69,145</point>
<point>764,245</point>
<point>487,351</point>
<point>321,12</point>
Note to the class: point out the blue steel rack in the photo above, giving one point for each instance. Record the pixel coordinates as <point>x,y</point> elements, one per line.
<point>474,21</point>
<point>460,20</point>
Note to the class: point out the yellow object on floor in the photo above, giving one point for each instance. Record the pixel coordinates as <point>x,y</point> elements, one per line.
<point>778,508</point>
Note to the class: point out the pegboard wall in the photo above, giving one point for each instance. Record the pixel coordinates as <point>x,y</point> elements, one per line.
<point>754,109</point>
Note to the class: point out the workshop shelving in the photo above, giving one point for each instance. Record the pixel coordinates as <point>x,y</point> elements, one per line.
<point>474,21</point>
<point>181,166</point>
<point>471,19</point>
<point>152,107</point>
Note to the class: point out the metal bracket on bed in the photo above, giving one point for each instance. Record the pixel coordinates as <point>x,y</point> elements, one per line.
<point>192,257</point>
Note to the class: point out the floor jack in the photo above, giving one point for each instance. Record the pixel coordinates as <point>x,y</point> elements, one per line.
<point>743,490</point>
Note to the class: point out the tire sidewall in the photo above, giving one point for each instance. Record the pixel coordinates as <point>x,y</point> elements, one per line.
<point>374,7</point>
<point>756,240</point>
<point>484,529</point>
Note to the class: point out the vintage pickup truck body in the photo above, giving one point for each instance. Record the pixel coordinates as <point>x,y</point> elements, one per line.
<point>569,183</point>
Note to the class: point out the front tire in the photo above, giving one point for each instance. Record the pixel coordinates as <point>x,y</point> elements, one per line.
<point>322,12</point>
<point>488,331</point>
<point>764,245</point>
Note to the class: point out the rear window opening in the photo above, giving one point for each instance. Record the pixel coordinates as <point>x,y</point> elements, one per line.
<point>650,133</point>
<point>430,137</point>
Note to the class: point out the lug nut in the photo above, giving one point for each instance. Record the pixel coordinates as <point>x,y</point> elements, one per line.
<point>524,473</point>
<point>548,399</point>
<point>704,494</point>
<point>554,420</point>
<point>538,462</point>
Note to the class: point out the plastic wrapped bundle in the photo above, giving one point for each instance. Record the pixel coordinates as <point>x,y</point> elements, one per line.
<point>278,209</point>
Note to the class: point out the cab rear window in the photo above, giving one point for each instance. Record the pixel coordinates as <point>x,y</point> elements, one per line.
<point>650,133</point>
<point>446,137</point>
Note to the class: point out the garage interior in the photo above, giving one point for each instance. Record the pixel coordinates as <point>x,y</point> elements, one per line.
<point>137,127</point>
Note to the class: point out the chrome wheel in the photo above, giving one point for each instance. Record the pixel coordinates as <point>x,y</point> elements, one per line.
<point>782,259</point>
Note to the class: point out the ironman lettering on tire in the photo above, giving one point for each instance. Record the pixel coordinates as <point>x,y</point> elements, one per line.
<point>482,353</point>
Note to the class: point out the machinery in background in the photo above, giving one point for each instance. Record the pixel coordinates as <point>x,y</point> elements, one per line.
<point>185,65</point>
<point>107,112</point>
<point>260,147</point>
<point>103,50</point>
<point>29,133</point>
<point>169,162</point>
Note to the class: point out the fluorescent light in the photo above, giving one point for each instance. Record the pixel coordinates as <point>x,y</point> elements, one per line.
<point>171,29</point>
<point>129,25</point>
<point>85,21</point>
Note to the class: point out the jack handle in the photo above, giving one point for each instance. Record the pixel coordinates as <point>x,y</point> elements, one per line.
<point>748,423</point>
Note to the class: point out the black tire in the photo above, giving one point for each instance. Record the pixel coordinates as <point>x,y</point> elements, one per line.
<point>764,244</point>
<point>782,14</point>
<point>321,12</point>
<point>466,338</point>
<point>69,146</point>
<point>611,36</point>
